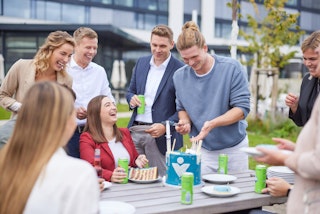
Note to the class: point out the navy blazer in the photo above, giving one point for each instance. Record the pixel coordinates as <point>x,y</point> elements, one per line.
<point>308,95</point>
<point>164,106</point>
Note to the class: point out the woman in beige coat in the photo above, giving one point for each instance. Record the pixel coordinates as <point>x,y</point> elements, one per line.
<point>48,64</point>
<point>304,161</point>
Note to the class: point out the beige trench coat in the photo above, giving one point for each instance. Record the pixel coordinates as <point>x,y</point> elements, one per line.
<point>19,79</point>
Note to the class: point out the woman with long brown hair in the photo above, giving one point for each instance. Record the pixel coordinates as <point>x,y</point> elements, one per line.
<point>101,132</point>
<point>36,174</point>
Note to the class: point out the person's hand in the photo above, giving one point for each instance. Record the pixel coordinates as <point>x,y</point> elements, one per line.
<point>277,187</point>
<point>284,144</point>
<point>292,102</point>
<point>271,156</point>
<point>81,113</point>
<point>141,161</point>
<point>183,127</point>
<point>101,184</point>
<point>118,175</point>
<point>134,102</point>
<point>156,130</point>
<point>206,128</point>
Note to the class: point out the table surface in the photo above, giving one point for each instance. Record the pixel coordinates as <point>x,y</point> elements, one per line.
<point>160,198</point>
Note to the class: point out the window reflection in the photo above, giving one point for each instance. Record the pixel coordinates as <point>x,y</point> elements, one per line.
<point>127,3</point>
<point>148,4</point>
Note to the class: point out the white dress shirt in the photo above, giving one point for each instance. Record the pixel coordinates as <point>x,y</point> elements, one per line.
<point>88,83</point>
<point>66,185</point>
<point>153,81</point>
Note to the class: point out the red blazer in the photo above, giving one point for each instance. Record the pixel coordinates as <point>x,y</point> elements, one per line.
<point>87,147</point>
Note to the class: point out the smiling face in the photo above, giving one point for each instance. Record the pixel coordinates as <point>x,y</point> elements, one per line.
<point>60,57</point>
<point>310,59</point>
<point>317,70</point>
<point>160,48</point>
<point>196,58</point>
<point>108,111</point>
<point>85,51</point>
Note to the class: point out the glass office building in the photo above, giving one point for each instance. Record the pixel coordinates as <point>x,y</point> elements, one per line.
<point>124,26</point>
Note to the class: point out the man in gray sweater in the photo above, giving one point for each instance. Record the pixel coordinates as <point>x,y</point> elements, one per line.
<point>213,100</point>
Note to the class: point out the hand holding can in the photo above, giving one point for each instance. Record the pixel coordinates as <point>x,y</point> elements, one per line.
<point>141,108</point>
<point>261,177</point>
<point>124,163</point>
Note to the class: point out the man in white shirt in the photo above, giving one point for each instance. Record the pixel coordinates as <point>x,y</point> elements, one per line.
<point>89,80</point>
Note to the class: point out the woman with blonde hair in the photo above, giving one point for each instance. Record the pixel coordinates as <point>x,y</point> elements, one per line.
<point>36,174</point>
<point>49,63</point>
<point>101,132</point>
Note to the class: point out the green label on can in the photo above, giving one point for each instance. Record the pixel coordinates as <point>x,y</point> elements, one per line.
<point>223,164</point>
<point>261,177</point>
<point>187,188</point>
<point>124,163</point>
<point>141,108</point>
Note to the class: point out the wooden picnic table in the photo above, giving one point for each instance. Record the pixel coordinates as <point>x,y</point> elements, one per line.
<point>160,198</point>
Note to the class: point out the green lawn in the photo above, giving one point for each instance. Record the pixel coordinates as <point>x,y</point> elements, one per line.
<point>4,114</point>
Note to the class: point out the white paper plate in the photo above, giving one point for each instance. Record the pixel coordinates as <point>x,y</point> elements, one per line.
<point>252,151</point>
<point>219,178</point>
<point>280,169</point>
<point>210,191</point>
<point>116,207</point>
<point>145,181</point>
<point>106,185</point>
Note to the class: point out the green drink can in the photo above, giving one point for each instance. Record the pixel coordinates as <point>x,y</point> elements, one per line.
<point>187,188</point>
<point>223,164</point>
<point>261,177</point>
<point>124,163</point>
<point>141,108</point>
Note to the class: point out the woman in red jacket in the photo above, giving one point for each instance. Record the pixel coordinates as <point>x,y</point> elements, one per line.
<point>102,132</point>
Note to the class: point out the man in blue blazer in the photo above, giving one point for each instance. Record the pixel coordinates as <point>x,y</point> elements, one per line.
<point>152,77</point>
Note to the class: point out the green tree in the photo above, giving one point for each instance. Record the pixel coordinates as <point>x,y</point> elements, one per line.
<point>267,35</point>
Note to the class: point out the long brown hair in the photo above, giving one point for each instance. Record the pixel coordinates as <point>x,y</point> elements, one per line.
<point>93,125</point>
<point>190,36</point>
<point>54,40</point>
<point>38,133</point>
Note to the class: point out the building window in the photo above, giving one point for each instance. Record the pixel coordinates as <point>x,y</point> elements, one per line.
<point>291,3</point>
<point>126,3</point>
<point>148,4</point>
<point>309,21</point>
<point>52,16</point>
<point>123,19</point>
<point>190,5</point>
<point>17,8</point>
<point>314,4</point>
<point>100,15</point>
<point>102,1</point>
<point>223,30</point>
<point>69,11</point>
<point>163,5</point>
